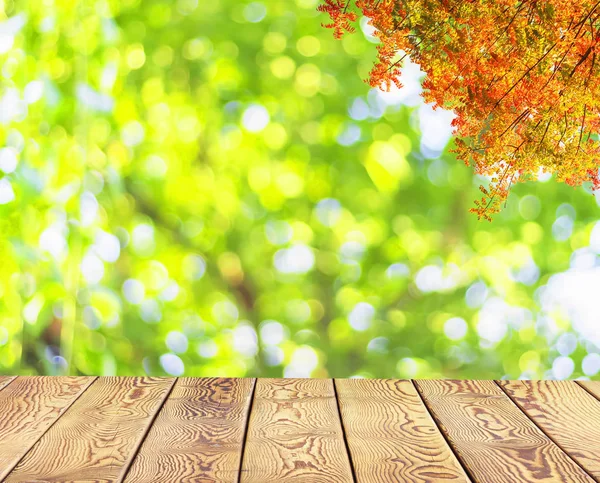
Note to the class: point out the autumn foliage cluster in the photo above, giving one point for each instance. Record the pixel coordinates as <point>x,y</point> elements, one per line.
<point>522,77</point>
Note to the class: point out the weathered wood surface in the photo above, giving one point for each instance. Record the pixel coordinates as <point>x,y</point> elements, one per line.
<point>593,387</point>
<point>143,429</point>
<point>294,433</point>
<point>390,434</point>
<point>5,381</point>
<point>495,440</point>
<point>28,407</point>
<point>198,435</point>
<point>99,435</point>
<point>566,413</point>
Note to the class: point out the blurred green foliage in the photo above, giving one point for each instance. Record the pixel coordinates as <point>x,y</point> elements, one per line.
<point>209,188</point>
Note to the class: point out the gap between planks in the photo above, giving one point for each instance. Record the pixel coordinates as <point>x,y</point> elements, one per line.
<point>295,433</point>
<point>137,447</point>
<point>436,422</point>
<point>4,383</point>
<point>246,427</point>
<point>587,389</point>
<point>344,435</point>
<point>88,413</point>
<point>524,411</point>
<point>437,425</point>
<point>63,411</point>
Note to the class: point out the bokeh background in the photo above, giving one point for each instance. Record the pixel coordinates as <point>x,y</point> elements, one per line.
<point>209,188</point>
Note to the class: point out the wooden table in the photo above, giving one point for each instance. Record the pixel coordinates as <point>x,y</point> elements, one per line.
<point>314,430</point>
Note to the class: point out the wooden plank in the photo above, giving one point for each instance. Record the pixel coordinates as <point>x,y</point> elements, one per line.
<point>566,413</point>
<point>294,434</point>
<point>494,439</point>
<point>5,381</point>
<point>98,436</point>
<point>593,387</point>
<point>391,435</point>
<point>30,405</point>
<point>198,435</point>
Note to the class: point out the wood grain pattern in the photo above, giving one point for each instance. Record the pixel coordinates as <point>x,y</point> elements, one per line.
<point>29,406</point>
<point>115,429</point>
<point>593,387</point>
<point>97,437</point>
<point>494,439</point>
<point>294,434</point>
<point>198,435</point>
<point>5,381</point>
<point>390,434</point>
<point>566,413</point>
